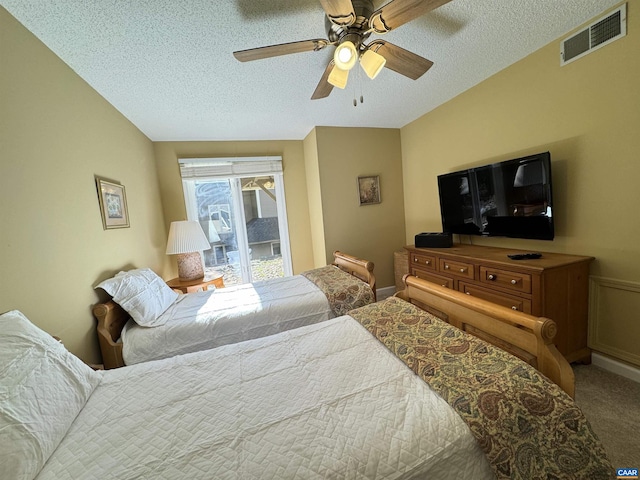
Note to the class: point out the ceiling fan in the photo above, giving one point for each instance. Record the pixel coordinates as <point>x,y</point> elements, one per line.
<point>349,24</point>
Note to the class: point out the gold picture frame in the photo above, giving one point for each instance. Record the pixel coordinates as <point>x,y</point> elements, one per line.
<point>113,204</point>
<point>369,189</point>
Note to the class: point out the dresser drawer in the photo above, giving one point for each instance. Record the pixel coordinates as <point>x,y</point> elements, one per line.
<point>557,286</point>
<point>459,269</point>
<point>509,301</point>
<point>432,277</point>
<point>518,282</point>
<point>426,262</point>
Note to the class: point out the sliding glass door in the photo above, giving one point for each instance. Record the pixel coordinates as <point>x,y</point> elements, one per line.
<point>244,218</point>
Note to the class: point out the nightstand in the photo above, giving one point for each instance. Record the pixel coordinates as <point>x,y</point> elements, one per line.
<point>190,286</point>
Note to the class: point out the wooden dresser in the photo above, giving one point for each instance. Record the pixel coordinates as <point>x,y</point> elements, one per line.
<point>555,286</point>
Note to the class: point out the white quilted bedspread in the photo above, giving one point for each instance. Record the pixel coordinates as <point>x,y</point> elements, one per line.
<point>323,401</point>
<point>204,320</point>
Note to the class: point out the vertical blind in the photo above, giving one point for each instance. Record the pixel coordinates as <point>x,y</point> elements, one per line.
<point>195,168</point>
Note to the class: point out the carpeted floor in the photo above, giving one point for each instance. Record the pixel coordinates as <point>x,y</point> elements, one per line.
<point>611,403</point>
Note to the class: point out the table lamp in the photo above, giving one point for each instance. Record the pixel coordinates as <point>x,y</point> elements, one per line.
<point>187,240</point>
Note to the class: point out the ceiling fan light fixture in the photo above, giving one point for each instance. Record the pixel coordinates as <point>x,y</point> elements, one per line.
<point>338,77</point>
<point>346,55</point>
<point>372,63</point>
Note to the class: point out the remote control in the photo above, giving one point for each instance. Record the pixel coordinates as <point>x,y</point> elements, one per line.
<point>524,256</point>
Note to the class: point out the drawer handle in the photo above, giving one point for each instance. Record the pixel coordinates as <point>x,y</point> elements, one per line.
<point>468,293</point>
<point>446,267</point>
<point>514,308</point>
<point>462,270</point>
<point>492,277</point>
<point>444,284</point>
<point>427,262</point>
<point>513,282</point>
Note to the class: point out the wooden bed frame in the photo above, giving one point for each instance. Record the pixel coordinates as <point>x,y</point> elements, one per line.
<point>112,318</point>
<point>525,336</point>
<point>362,269</point>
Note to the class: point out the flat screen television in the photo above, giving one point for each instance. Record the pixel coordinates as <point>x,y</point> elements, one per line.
<point>507,199</point>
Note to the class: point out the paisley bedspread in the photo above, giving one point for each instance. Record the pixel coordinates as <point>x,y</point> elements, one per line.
<point>343,291</point>
<point>527,426</point>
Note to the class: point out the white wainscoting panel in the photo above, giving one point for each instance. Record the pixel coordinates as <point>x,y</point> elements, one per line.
<point>614,318</point>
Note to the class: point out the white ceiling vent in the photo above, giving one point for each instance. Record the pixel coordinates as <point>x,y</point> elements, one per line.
<point>600,33</point>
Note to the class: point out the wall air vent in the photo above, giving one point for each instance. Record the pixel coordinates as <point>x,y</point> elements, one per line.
<point>600,33</point>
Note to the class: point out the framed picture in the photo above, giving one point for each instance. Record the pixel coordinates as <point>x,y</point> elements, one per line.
<point>369,189</point>
<point>113,204</point>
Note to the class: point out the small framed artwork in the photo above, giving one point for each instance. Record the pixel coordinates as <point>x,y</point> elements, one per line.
<point>369,189</point>
<point>113,204</point>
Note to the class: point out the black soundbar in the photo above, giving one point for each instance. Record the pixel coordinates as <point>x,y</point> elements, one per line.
<point>434,240</point>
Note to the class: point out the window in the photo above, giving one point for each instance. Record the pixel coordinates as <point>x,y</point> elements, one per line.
<point>240,205</point>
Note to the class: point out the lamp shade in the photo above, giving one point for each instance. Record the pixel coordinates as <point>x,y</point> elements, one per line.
<point>372,63</point>
<point>185,237</point>
<point>345,55</point>
<point>338,77</point>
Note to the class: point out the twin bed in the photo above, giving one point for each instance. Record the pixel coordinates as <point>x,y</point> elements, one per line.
<point>388,391</point>
<point>203,320</point>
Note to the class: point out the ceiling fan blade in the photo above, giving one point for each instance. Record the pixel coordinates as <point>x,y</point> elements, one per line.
<point>399,12</point>
<point>324,88</point>
<point>281,49</point>
<point>400,60</point>
<point>340,12</point>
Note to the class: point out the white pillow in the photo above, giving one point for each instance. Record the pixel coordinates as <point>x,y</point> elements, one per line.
<point>142,293</point>
<point>43,387</point>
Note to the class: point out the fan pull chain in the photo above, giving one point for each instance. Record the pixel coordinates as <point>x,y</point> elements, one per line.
<point>359,81</point>
<point>355,102</point>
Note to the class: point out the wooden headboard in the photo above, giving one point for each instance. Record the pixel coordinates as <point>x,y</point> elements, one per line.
<point>111,320</point>
<point>525,336</point>
<point>359,268</point>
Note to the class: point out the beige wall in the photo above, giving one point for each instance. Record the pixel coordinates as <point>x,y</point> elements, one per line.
<point>56,133</point>
<point>314,191</point>
<point>319,185</point>
<point>372,232</point>
<point>295,184</point>
<point>587,114</point>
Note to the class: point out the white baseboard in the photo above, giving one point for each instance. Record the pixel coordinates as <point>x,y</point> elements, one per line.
<point>384,292</point>
<point>614,366</point>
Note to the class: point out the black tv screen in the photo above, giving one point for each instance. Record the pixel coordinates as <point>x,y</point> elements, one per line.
<point>508,199</point>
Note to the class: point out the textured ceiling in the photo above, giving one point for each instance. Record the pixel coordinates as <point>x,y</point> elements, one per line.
<point>167,65</point>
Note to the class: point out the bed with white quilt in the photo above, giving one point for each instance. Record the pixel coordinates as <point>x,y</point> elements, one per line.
<point>146,320</point>
<point>387,392</point>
